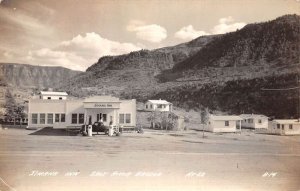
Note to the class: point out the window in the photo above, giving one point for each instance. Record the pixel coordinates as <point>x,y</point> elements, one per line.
<point>128,118</point>
<point>159,106</point>
<point>48,97</point>
<point>81,118</point>
<point>151,106</point>
<point>62,117</point>
<point>42,118</point>
<point>226,123</point>
<point>56,117</point>
<point>50,118</point>
<point>60,98</point>
<point>282,126</point>
<point>34,118</point>
<point>146,106</point>
<point>259,121</point>
<point>74,118</point>
<point>290,126</point>
<point>121,118</point>
<point>104,117</point>
<point>278,126</point>
<point>125,118</point>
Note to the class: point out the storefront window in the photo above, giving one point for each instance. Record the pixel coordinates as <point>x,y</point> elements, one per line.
<point>121,119</point>
<point>42,118</point>
<point>56,117</point>
<point>62,117</point>
<point>74,118</point>
<point>81,118</point>
<point>34,118</point>
<point>49,118</point>
<point>128,118</point>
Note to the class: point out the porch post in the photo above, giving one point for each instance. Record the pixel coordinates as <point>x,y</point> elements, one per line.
<point>240,126</point>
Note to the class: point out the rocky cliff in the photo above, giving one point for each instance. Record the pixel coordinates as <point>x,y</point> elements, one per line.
<point>22,75</point>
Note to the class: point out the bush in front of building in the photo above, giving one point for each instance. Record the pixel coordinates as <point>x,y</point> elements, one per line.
<point>164,120</point>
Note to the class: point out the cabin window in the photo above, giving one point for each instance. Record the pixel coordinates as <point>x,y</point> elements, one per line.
<point>259,121</point>
<point>146,106</point>
<point>159,106</point>
<point>282,126</point>
<point>34,118</point>
<point>50,118</point>
<point>48,97</point>
<point>62,117</point>
<point>74,118</point>
<point>60,98</point>
<point>151,106</point>
<point>278,126</point>
<point>42,118</point>
<point>81,118</point>
<point>226,123</point>
<point>290,126</point>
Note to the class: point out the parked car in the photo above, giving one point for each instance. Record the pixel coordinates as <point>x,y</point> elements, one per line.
<point>96,127</point>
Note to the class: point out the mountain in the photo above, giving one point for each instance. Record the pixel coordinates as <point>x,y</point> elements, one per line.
<point>131,72</point>
<point>227,72</point>
<point>23,75</point>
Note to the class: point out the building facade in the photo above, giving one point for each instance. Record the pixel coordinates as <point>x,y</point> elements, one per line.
<point>158,105</point>
<point>254,121</point>
<point>223,123</point>
<point>284,127</point>
<point>66,113</point>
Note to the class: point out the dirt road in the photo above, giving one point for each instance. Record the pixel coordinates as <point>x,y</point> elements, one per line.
<point>150,161</point>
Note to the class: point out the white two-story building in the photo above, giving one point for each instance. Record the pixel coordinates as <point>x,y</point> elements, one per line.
<point>158,105</point>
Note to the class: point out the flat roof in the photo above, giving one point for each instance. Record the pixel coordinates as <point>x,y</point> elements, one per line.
<point>287,121</point>
<point>254,116</point>
<point>225,117</point>
<point>101,99</point>
<point>53,93</point>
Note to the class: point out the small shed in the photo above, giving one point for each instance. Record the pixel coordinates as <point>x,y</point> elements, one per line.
<point>254,121</point>
<point>284,127</point>
<point>158,105</point>
<point>224,123</point>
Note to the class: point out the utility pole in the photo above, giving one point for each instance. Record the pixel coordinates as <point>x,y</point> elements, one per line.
<point>287,89</point>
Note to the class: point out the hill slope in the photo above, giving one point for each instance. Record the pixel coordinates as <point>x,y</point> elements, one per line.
<point>225,72</point>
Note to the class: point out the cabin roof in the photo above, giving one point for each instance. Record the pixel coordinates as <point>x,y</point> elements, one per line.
<point>287,121</point>
<point>225,117</point>
<point>159,102</point>
<point>252,116</point>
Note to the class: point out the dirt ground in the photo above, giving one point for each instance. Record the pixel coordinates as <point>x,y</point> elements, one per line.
<point>156,160</point>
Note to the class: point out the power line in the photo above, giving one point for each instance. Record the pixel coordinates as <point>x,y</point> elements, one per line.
<point>280,89</point>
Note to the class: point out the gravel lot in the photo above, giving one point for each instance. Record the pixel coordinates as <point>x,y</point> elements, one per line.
<point>156,160</point>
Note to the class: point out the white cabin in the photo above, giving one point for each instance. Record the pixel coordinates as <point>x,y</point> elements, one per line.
<point>254,121</point>
<point>223,123</point>
<point>158,105</point>
<point>284,127</point>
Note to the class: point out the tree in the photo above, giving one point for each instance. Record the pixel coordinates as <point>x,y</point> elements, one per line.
<point>13,110</point>
<point>204,113</point>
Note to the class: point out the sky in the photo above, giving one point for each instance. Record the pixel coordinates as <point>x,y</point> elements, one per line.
<point>76,33</point>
